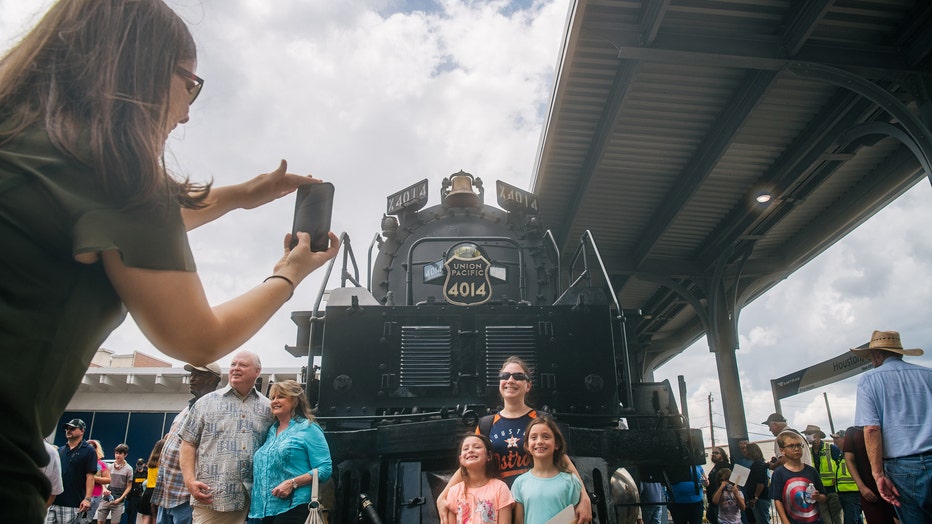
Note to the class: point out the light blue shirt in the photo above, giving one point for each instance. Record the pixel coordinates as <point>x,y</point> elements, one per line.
<point>297,450</point>
<point>897,396</point>
<point>543,498</point>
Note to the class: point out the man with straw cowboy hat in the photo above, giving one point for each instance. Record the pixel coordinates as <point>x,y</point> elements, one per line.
<point>893,404</point>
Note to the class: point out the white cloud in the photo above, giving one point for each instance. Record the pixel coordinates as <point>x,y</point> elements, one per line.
<point>373,96</point>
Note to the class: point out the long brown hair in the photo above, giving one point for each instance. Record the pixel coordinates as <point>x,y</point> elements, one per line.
<point>156,456</point>
<point>491,468</point>
<point>558,439</point>
<point>754,453</point>
<point>96,75</point>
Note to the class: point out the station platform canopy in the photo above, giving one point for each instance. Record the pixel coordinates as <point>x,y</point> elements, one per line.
<point>671,118</point>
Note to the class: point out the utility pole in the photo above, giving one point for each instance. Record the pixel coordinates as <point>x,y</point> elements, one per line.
<point>828,410</point>
<point>711,425</point>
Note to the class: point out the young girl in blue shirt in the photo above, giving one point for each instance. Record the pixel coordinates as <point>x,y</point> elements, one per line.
<point>545,490</point>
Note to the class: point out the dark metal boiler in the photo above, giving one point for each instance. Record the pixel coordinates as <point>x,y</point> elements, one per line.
<point>409,358</point>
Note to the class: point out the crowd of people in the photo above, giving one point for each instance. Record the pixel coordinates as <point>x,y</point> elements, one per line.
<point>778,486</point>
<point>235,456</point>
<point>231,455</point>
<point>881,467</point>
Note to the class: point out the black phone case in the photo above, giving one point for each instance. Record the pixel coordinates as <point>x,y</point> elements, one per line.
<point>312,210</point>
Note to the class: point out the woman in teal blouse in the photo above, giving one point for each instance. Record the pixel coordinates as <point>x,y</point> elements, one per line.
<point>294,447</point>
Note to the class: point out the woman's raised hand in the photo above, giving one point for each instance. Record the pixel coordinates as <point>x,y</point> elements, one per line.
<point>299,262</point>
<point>270,186</point>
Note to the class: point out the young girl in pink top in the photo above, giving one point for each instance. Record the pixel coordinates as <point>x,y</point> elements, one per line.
<point>480,498</point>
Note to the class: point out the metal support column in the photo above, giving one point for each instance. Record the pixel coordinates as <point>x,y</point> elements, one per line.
<point>719,316</point>
<point>723,342</point>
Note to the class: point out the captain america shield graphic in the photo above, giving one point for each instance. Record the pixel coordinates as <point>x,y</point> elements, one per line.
<point>794,500</point>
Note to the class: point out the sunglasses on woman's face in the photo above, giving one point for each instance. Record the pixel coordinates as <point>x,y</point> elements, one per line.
<point>195,83</point>
<point>505,375</point>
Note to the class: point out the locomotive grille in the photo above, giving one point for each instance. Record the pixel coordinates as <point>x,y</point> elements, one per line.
<point>502,342</point>
<point>425,356</point>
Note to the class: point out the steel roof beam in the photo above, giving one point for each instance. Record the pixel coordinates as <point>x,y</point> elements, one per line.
<point>707,156</point>
<point>803,24</point>
<point>651,19</point>
<point>917,29</point>
<point>845,111</point>
<point>767,54</point>
<point>899,172</point>
<point>624,74</point>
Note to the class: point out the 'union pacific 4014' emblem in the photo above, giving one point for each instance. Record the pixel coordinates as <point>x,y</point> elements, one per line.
<point>467,282</point>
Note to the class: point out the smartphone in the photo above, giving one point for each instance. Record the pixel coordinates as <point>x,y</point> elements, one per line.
<point>312,210</point>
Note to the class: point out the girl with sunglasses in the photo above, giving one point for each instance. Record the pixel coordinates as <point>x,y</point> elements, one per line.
<point>94,225</point>
<point>506,431</point>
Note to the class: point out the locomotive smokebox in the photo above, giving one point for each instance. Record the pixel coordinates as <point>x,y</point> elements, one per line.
<point>458,190</point>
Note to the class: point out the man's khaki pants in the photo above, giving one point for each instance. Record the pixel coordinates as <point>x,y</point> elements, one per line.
<point>202,515</point>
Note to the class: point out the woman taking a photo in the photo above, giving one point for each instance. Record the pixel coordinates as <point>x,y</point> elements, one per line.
<point>720,462</point>
<point>506,430</point>
<point>94,225</point>
<point>282,468</point>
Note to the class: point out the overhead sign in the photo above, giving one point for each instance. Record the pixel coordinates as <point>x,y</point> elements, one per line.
<point>848,364</point>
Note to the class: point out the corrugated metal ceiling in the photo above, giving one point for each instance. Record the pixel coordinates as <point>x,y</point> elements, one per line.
<point>668,115</point>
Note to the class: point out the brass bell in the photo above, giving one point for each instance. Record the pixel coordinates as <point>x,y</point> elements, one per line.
<point>461,193</point>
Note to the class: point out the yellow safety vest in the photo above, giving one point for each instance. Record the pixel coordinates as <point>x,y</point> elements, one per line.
<point>826,465</point>
<point>844,482</point>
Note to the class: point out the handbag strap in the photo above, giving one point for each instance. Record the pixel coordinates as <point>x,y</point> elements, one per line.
<point>314,485</point>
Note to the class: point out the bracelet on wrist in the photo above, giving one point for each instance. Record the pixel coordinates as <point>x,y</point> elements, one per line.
<point>294,484</point>
<point>286,279</point>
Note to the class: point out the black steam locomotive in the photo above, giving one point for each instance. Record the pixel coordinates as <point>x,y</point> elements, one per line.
<point>409,359</point>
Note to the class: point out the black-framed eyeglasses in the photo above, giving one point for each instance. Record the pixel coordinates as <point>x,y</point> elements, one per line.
<point>195,83</point>
<point>519,376</point>
<point>792,446</point>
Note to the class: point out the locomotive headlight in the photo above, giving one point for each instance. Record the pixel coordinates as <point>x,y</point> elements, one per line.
<point>465,250</point>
